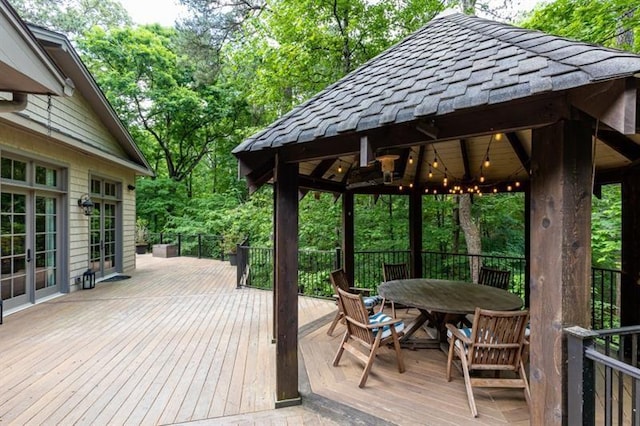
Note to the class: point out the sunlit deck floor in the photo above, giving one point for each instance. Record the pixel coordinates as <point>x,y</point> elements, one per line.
<point>178,343</point>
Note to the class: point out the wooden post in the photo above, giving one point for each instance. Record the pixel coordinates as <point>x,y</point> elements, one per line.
<point>348,244</point>
<point>630,286</point>
<point>527,248</point>
<point>561,187</point>
<point>415,233</point>
<point>286,284</point>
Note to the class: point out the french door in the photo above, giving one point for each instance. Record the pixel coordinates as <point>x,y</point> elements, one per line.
<point>104,227</point>
<point>29,223</point>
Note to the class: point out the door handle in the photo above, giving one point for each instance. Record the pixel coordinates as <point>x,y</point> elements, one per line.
<point>28,255</point>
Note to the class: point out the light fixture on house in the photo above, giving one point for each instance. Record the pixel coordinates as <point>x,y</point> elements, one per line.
<point>86,204</point>
<point>387,161</point>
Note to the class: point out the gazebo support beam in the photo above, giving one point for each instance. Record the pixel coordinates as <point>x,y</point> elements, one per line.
<point>348,232</point>
<point>630,290</point>
<point>286,284</point>
<point>562,173</point>
<point>415,233</point>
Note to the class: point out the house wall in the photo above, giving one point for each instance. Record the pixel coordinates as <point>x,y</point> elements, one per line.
<point>72,117</point>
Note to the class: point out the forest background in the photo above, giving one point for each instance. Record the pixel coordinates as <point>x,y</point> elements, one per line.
<point>189,94</point>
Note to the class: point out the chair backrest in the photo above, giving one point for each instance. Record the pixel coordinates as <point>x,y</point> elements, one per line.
<point>497,339</point>
<point>339,280</point>
<point>494,278</point>
<point>355,312</point>
<point>395,271</point>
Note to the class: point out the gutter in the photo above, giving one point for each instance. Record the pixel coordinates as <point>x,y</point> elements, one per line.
<point>18,103</point>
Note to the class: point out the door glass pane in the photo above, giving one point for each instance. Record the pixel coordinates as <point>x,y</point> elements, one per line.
<point>46,237</point>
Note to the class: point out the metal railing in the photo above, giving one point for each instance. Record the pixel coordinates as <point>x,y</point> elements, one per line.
<point>603,376</point>
<point>199,245</point>
<point>315,266</point>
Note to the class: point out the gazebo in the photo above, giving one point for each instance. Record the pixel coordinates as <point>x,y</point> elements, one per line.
<point>468,105</point>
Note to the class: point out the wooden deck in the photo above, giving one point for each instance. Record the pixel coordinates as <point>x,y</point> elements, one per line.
<point>178,343</point>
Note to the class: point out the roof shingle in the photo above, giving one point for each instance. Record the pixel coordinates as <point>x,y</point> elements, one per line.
<point>455,62</point>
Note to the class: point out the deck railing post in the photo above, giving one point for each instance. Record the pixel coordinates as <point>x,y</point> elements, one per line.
<point>161,238</point>
<point>179,245</point>
<point>338,259</point>
<point>580,377</point>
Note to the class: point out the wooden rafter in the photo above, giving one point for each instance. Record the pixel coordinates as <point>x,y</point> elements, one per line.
<point>621,144</point>
<point>518,148</point>
<point>465,159</point>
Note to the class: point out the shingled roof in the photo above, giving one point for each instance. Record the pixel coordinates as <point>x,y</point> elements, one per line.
<point>454,62</point>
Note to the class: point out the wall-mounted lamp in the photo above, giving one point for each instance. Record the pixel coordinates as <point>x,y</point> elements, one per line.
<point>86,204</point>
<point>387,163</point>
<point>131,187</point>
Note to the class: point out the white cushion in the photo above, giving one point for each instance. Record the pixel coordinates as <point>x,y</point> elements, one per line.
<point>386,330</point>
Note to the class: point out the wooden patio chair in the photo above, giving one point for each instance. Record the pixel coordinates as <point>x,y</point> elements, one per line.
<point>494,278</point>
<point>395,271</point>
<point>367,333</point>
<point>495,342</point>
<point>339,281</point>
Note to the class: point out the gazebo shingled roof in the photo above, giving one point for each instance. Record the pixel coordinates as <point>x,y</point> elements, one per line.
<point>455,63</point>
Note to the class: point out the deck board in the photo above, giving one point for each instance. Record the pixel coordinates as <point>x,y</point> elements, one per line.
<point>179,343</point>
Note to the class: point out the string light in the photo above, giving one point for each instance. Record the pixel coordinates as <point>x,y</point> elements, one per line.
<point>487,163</point>
<point>400,187</point>
<point>498,136</point>
<point>495,190</point>
<point>410,159</point>
<point>430,172</point>
<point>435,159</point>
<point>509,188</point>
<point>340,168</point>
<point>445,180</point>
<point>517,184</point>
<point>481,178</point>
<point>411,185</point>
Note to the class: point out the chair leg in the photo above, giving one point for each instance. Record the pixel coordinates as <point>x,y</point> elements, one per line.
<point>396,345</point>
<point>336,359</point>
<point>372,357</point>
<point>450,358</point>
<point>467,382</point>
<point>527,391</point>
<point>393,310</point>
<point>332,327</point>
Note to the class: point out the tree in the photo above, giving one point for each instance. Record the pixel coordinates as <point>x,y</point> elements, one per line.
<point>73,17</point>
<point>176,121</point>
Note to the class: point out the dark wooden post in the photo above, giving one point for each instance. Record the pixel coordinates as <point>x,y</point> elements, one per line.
<point>348,244</point>
<point>561,182</point>
<point>527,247</point>
<point>415,232</point>
<point>275,270</point>
<point>286,284</point>
<point>630,286</point>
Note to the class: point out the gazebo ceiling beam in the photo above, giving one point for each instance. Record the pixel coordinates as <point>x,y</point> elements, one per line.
<point>518,148</point>
<point>258,177</point>
<point>317,173</point>
<point>620,143</point>
<point>465,159</point>
<point>318,184</point>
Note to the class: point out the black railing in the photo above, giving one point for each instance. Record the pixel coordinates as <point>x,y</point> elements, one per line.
<point>315,265</point>
<point>603,376</point>
<point>199,245</point>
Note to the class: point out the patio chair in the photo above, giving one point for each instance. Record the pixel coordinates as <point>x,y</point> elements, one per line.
<point>494,278</point>
<point>395,271</point>
<point>495,342</point>
<point>367,333</point>
<point>339,281</point>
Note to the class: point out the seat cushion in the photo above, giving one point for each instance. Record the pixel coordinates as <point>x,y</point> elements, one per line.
<point>386,330</point>
<point>371,301</point>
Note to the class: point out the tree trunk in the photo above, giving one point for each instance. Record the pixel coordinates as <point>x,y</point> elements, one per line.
<point>471,233</point>
<point>468,7</point>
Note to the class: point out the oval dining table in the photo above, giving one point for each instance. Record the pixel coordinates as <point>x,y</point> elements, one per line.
<point>441,301</point>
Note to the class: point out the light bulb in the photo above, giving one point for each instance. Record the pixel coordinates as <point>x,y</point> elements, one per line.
<point>481,178</point>
<point>495,190</point>
<point>435,162</point>
<point>340,168</point>
<point>498,136</point>
<point>410,185</point>
<point>400,187</point>
<point>509,188</point>
<point>517,184</point>
<point>430,173</point>
<point>410,159</point>
<point>487,163</point>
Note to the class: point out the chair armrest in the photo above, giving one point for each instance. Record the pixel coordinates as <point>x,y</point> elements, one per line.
<point>457,334</point>
<point>361,290</point>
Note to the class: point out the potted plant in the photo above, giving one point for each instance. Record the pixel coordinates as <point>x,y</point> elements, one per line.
<point>142,236</point>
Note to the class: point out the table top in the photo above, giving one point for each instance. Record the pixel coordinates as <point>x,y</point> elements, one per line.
<point>456,297</point>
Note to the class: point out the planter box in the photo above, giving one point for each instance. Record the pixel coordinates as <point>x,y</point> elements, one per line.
<point>165,250</point>
<point>141,248</point>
